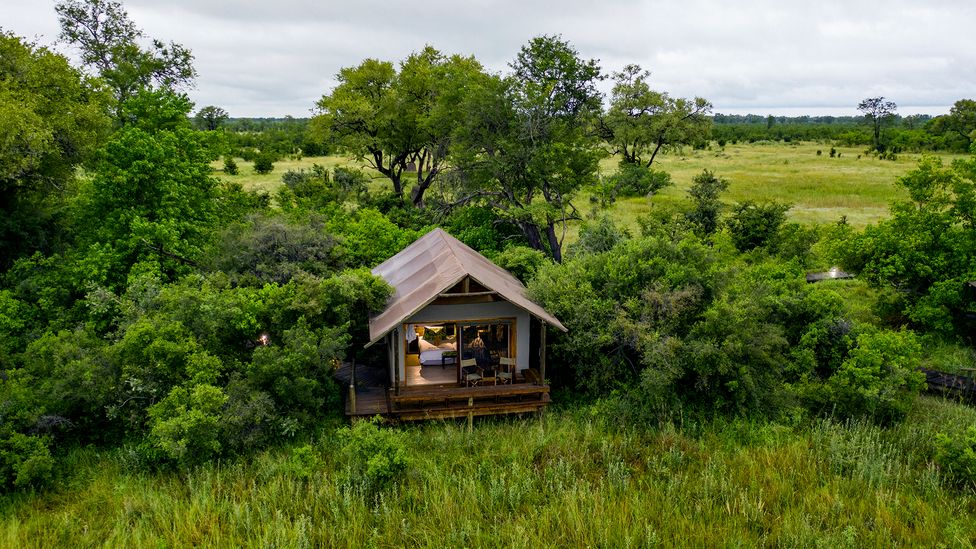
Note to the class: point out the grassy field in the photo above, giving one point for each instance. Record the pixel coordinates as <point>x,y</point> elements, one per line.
<point>822,189</point>
<point>568,480</point>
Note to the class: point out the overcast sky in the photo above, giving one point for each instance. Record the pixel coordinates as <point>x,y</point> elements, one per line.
<point>276,58</point>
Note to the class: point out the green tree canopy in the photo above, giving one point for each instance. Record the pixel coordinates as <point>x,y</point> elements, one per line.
<point>877,112</point>
<point>398,120</point>
<point>53,120</point>
<point>927,249</point>
<point>526,144</point>
<point>210,118</point>
<point>641,122</point>
<point>109,44</point>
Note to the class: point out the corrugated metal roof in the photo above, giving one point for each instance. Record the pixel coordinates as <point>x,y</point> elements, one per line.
<point>434,263</point>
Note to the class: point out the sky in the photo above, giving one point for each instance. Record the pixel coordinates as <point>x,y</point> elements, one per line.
<point>785,57</point>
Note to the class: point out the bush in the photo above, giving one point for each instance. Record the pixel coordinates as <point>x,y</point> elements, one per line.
<point>880,377</point>
<point>186,424</point>
<point>230,166</point>
<point>264,162</point>
<point>350,181</point>
<point>632,180</point>
<point>374,457</point>
<point>521,261</point>
<point>303,463</point>
<point>24,461</point>
<point>957,457</point>
<point>705,191</point>
<point>752,225</point>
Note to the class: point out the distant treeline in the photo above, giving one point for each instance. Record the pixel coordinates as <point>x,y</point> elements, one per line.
<point>280,136</point>
<point>913,133</point>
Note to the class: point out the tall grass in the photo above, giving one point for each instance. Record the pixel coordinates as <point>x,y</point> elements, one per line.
<point>569,479</point>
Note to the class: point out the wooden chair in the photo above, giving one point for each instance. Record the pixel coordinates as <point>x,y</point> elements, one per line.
<point>469,372</point>
<point>506,370</point>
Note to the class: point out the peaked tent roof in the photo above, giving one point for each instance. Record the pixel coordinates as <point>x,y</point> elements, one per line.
<point>434,263</point>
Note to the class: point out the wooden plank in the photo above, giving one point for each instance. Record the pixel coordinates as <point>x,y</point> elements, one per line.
<point>461,393</point>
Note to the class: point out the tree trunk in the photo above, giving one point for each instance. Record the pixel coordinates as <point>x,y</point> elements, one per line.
<point>554,244</point>
<point>532,235</point>
<point>660,143</point>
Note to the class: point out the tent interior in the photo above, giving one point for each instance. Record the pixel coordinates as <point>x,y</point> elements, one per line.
<point>435,351</point>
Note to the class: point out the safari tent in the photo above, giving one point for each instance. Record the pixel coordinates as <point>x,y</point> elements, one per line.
<point>461,337</point>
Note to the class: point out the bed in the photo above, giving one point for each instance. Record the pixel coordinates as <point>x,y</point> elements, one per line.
<point>434,355</point>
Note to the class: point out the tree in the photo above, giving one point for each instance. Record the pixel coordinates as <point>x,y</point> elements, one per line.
<point>753,225</point>
<point>526,144</point>
<point>705,191</point>
<point>877,111</point>
<point>398,120</point>
<point>109,44</point>
<point>926,251</point>
<point>642,122</point>
<point>210,118</point>
<point>957,127</point>
<point>53,120</point>
<point>152,196</point>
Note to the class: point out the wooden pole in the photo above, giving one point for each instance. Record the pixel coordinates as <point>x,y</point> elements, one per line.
<point>396,361</point>
<point>470,414</point>
<point>352,388</point>
<point>542,354</point>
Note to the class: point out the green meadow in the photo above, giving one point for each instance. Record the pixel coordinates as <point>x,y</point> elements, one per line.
<point>822,189</point>
<point>568,479</point>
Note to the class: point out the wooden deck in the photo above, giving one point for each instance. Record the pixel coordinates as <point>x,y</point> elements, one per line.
<point>448,401</point>
<point>953,385</point>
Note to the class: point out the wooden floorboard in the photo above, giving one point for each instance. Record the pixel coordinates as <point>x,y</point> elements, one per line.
<point>420,403</point>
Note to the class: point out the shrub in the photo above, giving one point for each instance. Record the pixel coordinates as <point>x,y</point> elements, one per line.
<point>350,181</point>
<point>598,236</point>
<point>374,457</point>
<point>957,457</point>
<point>24,461</point>
<point>753,225</point>
<point>186,424</point>
<point>638,180</point>
<point>303,462</point>
<point>264,162</point>
<point>880,376</point>
<point>230,166</point>
<point>521,261</point>
<point>705,191</point>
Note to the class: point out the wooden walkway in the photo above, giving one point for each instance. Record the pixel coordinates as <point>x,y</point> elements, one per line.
<point>448,401</point>
<point>963,387</point>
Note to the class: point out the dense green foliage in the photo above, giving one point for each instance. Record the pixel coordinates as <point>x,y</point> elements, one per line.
<point>188,331</point>
<point>927,250</point>
<point>53,120</point>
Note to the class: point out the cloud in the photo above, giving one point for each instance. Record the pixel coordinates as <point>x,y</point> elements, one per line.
<point>258,58</point>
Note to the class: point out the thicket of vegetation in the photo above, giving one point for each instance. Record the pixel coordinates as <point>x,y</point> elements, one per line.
<point>173,320</point>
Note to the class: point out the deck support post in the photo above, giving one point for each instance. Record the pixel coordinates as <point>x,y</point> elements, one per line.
<point>470,415</point>
<point>352,387</point>
<point>542,353</point>
<point>396,361</point>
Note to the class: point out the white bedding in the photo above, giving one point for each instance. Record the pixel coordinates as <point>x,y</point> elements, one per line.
<point>434,357</point>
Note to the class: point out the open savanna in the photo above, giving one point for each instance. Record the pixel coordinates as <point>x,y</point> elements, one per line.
<point>569,479</point>
<point>822,189</point>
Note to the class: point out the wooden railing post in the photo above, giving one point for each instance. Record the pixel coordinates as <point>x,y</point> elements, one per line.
<point>470,414</point>
<point>352,389</point>
<point>542,356</point>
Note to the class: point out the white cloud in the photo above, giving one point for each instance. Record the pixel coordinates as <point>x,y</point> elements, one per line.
<point>258,58</point>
